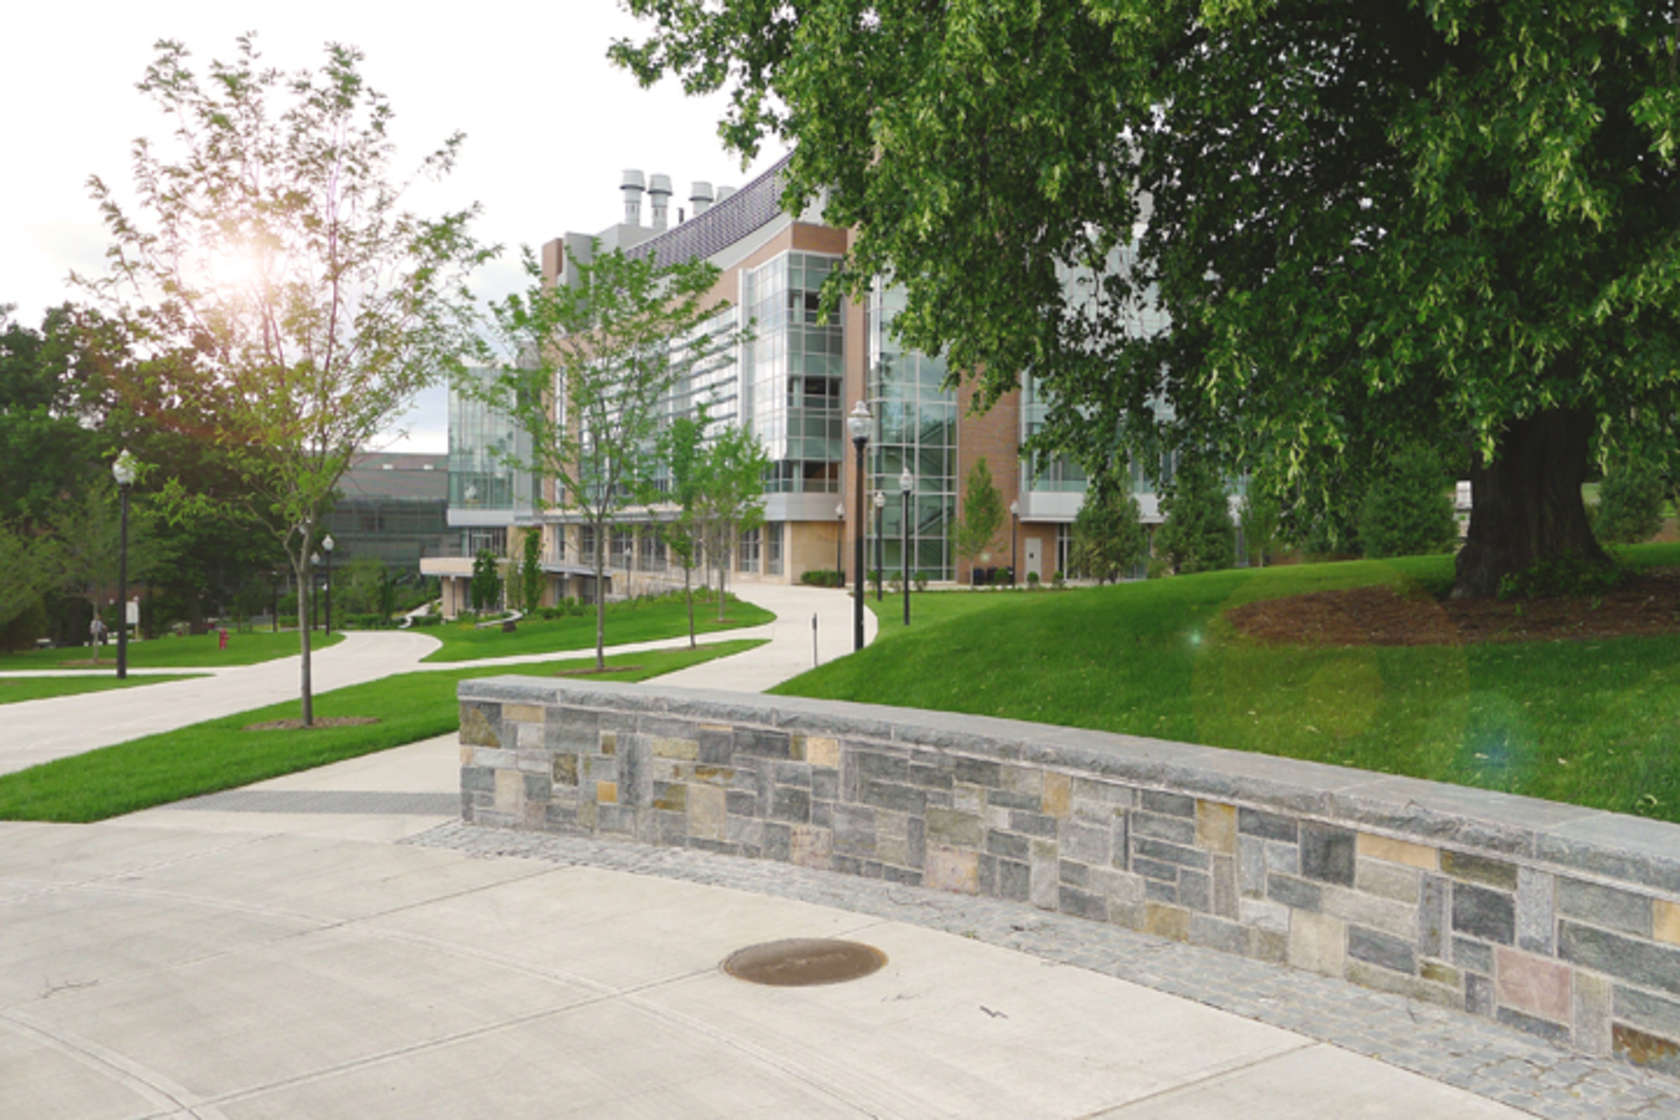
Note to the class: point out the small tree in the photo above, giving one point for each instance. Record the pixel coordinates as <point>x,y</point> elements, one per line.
<point>730,492</point>
<point>1197,535</point>
<point>1630,501</point>
<point>982,513</point>
<point>1108,533</point>
<point>485,590</point>
<point>612,345</point>
<point>1407,510</point>
<point>279,289</point>
<point>681,446</point>
<point>1259,518</point>
<point>530,570</point>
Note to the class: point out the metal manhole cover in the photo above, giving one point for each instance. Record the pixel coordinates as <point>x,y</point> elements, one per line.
<point>804,960</point>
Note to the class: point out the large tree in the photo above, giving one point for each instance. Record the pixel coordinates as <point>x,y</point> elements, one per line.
<point>1452,220</point>
<point>273,283</point>
<point>594,363</point>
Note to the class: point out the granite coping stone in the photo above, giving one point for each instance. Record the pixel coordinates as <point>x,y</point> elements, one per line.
<point>1591,841</point>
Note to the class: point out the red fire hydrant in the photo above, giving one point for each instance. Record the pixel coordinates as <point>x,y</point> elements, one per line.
<point>221,638</point>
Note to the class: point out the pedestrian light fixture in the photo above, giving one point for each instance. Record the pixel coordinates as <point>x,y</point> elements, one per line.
<point>906,483</point>
<point>124,470</point>
<point>858,426</point>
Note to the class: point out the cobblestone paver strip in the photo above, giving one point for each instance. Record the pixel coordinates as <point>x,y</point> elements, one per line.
<point>1451,1047</point>
<point>324,801</point>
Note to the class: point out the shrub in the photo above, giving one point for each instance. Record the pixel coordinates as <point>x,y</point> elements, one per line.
<point>823,577</point>
<point>1561,575</point>
<point>1108,534</point>
<point>1630,502</point>
<point>427,620</point>
<point>1197,535</point>
<point>1407,511</point>
<point>1032,580</point>
<point>1158,567</point>
<point>921,579</point>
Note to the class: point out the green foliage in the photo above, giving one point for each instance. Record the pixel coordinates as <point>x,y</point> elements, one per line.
<point>982,513</point>
<point>484,590</point>
<point>1108,534</point>
<point>632,620</point>
<point>823,577</point>
<point>530,570</point>
<point>1197,534</point>
<point>1560,575</point>
<point>1407,512</point>
<point>1630,501</point>
<point>1259,519</point>
<point>1367,222</point>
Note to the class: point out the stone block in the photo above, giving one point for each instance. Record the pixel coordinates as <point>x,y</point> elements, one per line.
<point>767,744</point>
<point>1162,920</point>
<point>523,713</point>
<point>1261,914</point>
<point>1268,945</point>
<point>791,804</point>
<point>1555,1033</point>
<point>1251,866</point>
<point>1536,896</point>
<point>1381,949</point>
<point>1472,956</point>
<point>1646,1011</point>
<point>1665,921</point>
<point>977,772</point>
<point>1082,903</point>
<point>1058,798</point>
<point>1645,1049</point>
<point>1163,852</point>
<point>1327,853</point>
<point>1216,827</point>
<point>892,838</point>
<point>716,743</point>
<point>1195,890</point>
<point>1009,799</point>
<point>609,743</point>
<point>478,779</point>
<point>1372,846</point>
<point>1281,857</point>
<point>707,809</point>
<point>825,784</point>
<point>481,724</point>
<point>1087,843</point>
<point>1478,995</point>
<point>527,736</point>
<point>564,770</point>
<point>1216,933</point>
<point>1444,974</point>
<point>880,766</point>
<point>1297,894</point>
<point>887,795</point>
<point>1046,875</point>
<point>1469,868</point>
<point>951,869</point>
<point>1155,890</point>
<point>1267,826</point>
<point>1171,804</point>
<point>822,751</point>
<point>1008,844</point>
<point>510,792</point>
<point>538,787</point>
<point>1120,886</point>
<point>1317,943</point>
<point>606,793</point>
<point>1432,916</point>
<point>1225,886</point>
<point>1593,997</point>
<point>1033,824</point>
<point>1393,918</point>
<point>672,797</point>
<point>929,777</point>
<point>745,833</point>
<point>1023,779</point>
<point>569,729</point>
<point>1605,906</point>
<point>1014,880</point>
<point>1533,985</point>
<point>1387,880</point>
<point>1645,963</point>
<point>946,826</point>
<point>791,774</point>
<point>741,803</point>
<point>1174,830</point>
<point>1489,915</point>
<point>811,847</point>
<point>1155,869</point>
<point>1071,874</point>
<point>909,876</point>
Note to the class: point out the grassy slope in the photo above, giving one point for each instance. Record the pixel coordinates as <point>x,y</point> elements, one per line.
<point>15,689</point>
<point>1586,722</point>
<point>219,754</point>
<point>629,621</point>
<point>246,648</point>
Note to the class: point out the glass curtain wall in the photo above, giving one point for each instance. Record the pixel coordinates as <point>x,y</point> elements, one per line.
<point>794,369</point>
<point>483,443</point>
<point>915,427</point>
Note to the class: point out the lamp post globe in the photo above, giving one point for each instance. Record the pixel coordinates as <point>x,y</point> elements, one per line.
<point>880,557</point>
<point>858,426</point>
<point>1014,528</point>
<point>327,546</point>
<point>314,590</point>
<point>906,483</point>
<point>124,471</point>
<point>840,541</point>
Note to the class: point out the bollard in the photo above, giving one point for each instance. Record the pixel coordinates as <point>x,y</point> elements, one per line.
<point>221,638</point>
<point>814,661</point>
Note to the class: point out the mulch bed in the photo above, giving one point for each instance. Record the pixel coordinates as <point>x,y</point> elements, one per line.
<point>1647,602</point>
<point>320,721</point>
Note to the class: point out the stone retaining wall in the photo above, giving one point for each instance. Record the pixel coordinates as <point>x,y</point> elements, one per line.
<point>1558,920</point>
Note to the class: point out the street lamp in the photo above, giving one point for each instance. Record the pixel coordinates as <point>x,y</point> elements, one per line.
<point>314,588</point>
<point>880,559</point>
<point>905,484</point>
<point>327,543</point>
<point>858,425</point>
<point>1014,528</point>
<point>123,470</point>
<point>840,541</point>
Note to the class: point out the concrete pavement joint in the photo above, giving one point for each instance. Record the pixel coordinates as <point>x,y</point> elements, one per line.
<point>1454,1048</point>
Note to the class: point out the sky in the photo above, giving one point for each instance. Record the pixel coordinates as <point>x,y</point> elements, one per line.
<point>550,123</point>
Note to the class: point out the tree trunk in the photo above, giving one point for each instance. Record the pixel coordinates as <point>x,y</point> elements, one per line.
<point>688,593</point>
<point>600,595</point>
<point>306,622</point>
<point>1526,504</point>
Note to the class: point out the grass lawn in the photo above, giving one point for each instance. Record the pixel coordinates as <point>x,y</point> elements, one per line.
<point>1588,722</point>
<point>169,652</point>
<point>14,689</point>
<point>220,754</point>
<point>634,620</point>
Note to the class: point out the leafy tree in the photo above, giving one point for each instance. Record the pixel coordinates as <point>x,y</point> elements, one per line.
<point>275,287</point>
<point>1385,219</point>
<point>982,513</point>
<point>1108,533</point>
<point>49,439</point>
<point>682,447</point>
<point>1630,500</point>
<point>612,344</point>
<point>88,536</point>
<point>485,587</point>
<point>729,492</point>
<point>530,570</point>
<point>28,561</point>
<point>358,583</point>
<point>1407,511</point>
<point>1259,518</point>
<point>1196,536</point>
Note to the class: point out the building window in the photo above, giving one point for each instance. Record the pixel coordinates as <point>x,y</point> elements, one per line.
<point>746,556</point>
<point>773,548</point>
<point>586,545</point>
<point>623,548</point>
<point>652,548</point>
<point>793,371</point>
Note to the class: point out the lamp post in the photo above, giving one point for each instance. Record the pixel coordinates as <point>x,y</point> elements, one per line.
<point>1014,529</point>
<point>880,557</point>
<point>840,541</point>
<point>274,599</point>
<point>123,471</point>
<point>858,425</point>
<point>905,484</point>
<point>327,544</point>
<point>314,588</point>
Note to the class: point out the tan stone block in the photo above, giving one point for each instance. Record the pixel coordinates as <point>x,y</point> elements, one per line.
<point>1317,942</point>
<point>523,713</point>
<point>510,790</point>
<point>1437,973</point>
<point>1665,924</point>
<point>606,793</point>
<point>822,752</point>
<point>565,772</point>
<point>1166,921</point>
<point>811,847</point>
<point>706,812</point>
<point>1216,827</point>
<point>529,736</point>
<point>1058,794</point>
<point>1536,985</point>
<point>674,800</point>
<point>609,742</point>
<point>1398,851</point>
<point>951,869</point>
<point>1383,980</point>
<point>688,750</point>
<point>477,729</point>
<point>466,756</point>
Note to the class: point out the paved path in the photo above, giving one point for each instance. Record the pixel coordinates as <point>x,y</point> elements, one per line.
<point>270,952</point>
